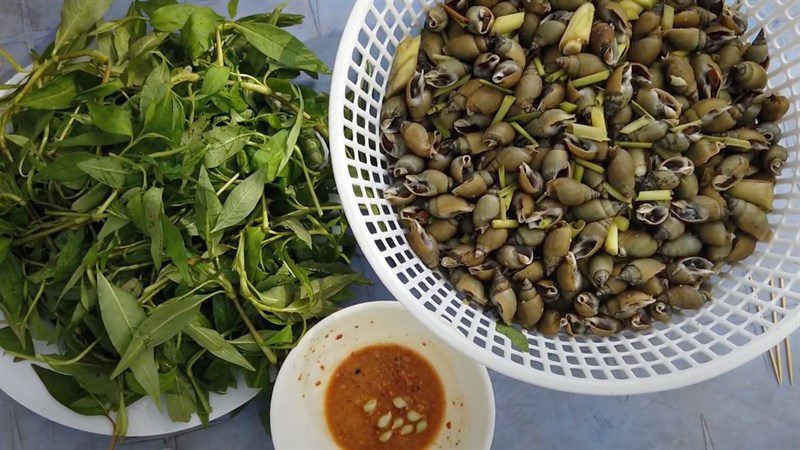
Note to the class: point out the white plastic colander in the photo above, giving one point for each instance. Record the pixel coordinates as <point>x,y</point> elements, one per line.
<point>734,328</point>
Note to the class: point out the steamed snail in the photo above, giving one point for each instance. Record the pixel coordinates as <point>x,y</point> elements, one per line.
<point>579,165</point>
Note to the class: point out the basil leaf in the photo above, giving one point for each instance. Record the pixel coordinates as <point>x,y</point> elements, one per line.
<point>223,144</point>
<point>153,208</point>
<point>155,87</point>
<point>102,90</point>
<point>77,17</point>
<point>269,156</point>
<point>111,119</point>
<point>12,283</point>
<point>106,170</point>
<point>181,400</point>
<point>111,225</point>
<point>176,248</point>
<point>64,388</point>
<point>198,31</point>
<point>299,230</point>
<point>518,339</point>
<point>63,168</point>
<point>165,117</point>
<point>241,201</point>
<point>92,138</point>
<point>93,197</point>
<point>174,17</point>
<point>58,93</point>
<point>233,7</point>
<point>121,313</point>
<point>280,45</point>
<point>165,321</point>
<point>284,336</point>
<point>217,345</point>
<point>215,79</point>
<point>207,206</point>
<point>145,371</point>
<point>5,247</point>
<point>10,342</point>
<point>70,256</point>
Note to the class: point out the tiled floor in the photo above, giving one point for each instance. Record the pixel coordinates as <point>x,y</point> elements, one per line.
<point>743,409</point>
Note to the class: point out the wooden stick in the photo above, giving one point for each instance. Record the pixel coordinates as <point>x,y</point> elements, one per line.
<point>787,343</point>
<point>771,351</point>
<point>775,320</point>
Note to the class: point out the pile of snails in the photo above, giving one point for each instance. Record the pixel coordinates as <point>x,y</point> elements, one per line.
<point>583,166</point>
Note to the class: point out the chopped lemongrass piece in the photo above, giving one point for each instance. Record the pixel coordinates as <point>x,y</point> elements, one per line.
<point>508,100</point>
<point>537,63</point>
<point>631,8</point>
<point>545,223</point>
<point>598,119</point>
<point>577,174</point>
<point>624,144</point>
<point>443,131</point>
<point>732,141</point>
<point>523,132</point>
<point>640,109</point>
<point>679,128</point>
<point>622,223</point>
<point>385,436</point>
<point>370,405</point>
<point>589,165</point>
<point>506,224</point>
<point>588,132</point>
<point>524,117</point>
<point>422,426</point>
<point>384,420</point>
<point>599,98</point>
<point>554,76</point>
<point>508,23</point>
<point>492,85</point>
<point>397,423</point>
<point>591,79</point>
<point>454,86</point>
<point>635,125</point>
<point>611,243</point>
<point>508,191</point>
<point>567,107</point>
<point>437,108</point>
<point>399,402</point>
<point>615,193</point>
<point>646,4</point>
<point>649,196</point>
<point>413,416</point>
<point>407,428</point>
<point>501,176</point>
<point>667,17</point>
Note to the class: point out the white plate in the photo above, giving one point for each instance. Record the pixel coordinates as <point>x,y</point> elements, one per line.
<point>298,412</point>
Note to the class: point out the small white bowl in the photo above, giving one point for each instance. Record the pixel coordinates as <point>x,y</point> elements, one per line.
<point>297,412</point>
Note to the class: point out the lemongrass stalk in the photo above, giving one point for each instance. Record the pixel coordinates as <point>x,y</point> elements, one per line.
<point>600,97</point>
<point>640,109</point>
<point>508,100</point>
<point>591,79</point>
<point>652,196</point>
<point>635,125</point>
<point>523,132</point>
<point>554,76</point>
<point>577,174</point>
<point>589,165</point>
<point>454,86</point>
<point>631,8</point>
<point>492,85</point>
<point>589,132</point>
<point>501,176</point>
<point>624,144</point>
<point>508,23</point>
<point>437,108</point>
<point>615,193</point>
<point>667,17</point>
<point>443,131</point>
<point>622,223</point>
<point>732,141</point>
<point>505,223</point>
<point>611,243</point>
<point>524,117</point>
<point>567,107</point>
<point>537,63</point>
<point>598,119</point>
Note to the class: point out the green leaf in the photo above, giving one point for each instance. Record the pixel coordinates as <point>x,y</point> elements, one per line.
<point>121,313</point>
<point>280,45</point>
<point>269,156</point>
<point>106,170</point>
<point>181,403</point>
<point>12,283</point>
<point>101,90</point>
<point>241,201</point>
<point>233,7</point>
<point>155,87</point>
<point>176,248</point>
<point>207,206</point>
<point>70,256</point>
<point>215,79</point>
<point>165,321</point>
<point>77,17</point>
<point>58,93</point>
<point>5,247</point>
<point>64,388</point>
<point>93,138</point>
<point>253,237</point>
<point>299,230</point>
<point>174,17</point>
<point>91,198</point>
<point>223,144</point>
<point>63,168</point>
<point>10,342</point>
<point>153,209</point>
<point>165,117</point>
<point>216,344</point>
<point>198,32</point>
<point>111,119</point>
<point>111,225</point>
<point>145,371</point>
<point>284,336</point>
<point>518,339</point>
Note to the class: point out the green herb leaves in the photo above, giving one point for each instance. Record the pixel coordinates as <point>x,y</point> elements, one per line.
<point>241,201</point>
<point>111,119</point>
<point>518,339</point>
<point>77,17</point>
<point>59,93</point>
<point>281,46</point>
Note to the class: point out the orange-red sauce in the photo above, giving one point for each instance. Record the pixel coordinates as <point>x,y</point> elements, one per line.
<point>383,373</point>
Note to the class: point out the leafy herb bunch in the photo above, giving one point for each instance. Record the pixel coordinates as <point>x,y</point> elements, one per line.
<point>165,212</point>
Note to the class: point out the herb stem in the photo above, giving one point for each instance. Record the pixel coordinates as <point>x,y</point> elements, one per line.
<point>64,226</point>
<point>218,38</point>
<point>271,357</point>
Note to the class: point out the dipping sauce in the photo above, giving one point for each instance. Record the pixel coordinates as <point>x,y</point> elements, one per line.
<point>384,397</point>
